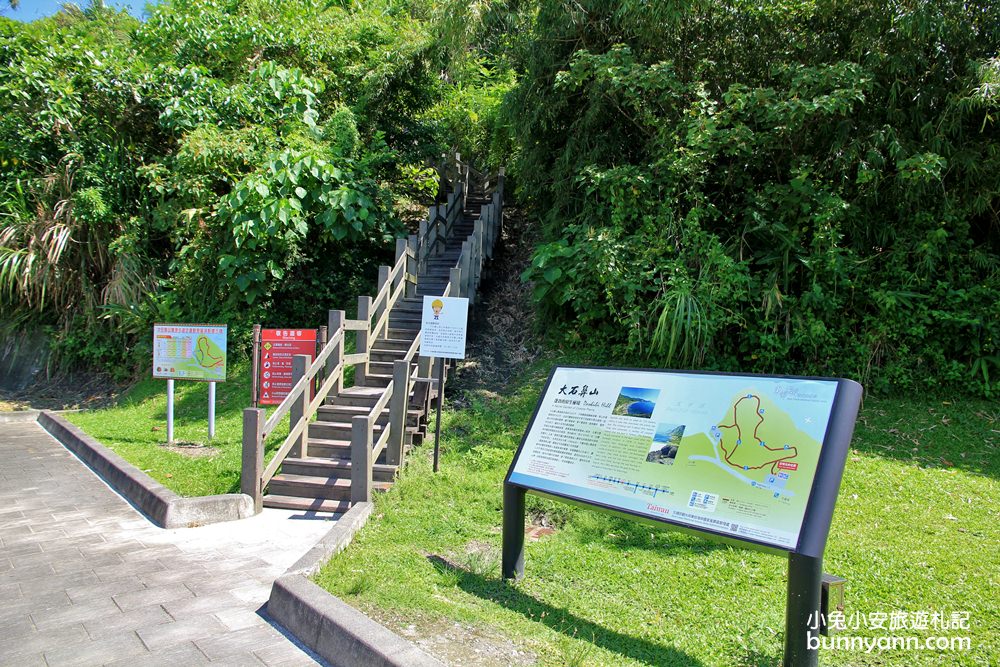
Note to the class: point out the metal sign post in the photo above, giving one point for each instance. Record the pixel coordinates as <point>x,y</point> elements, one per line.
<point>211,410</point>
<point>649,443</point>
<point>170,411</point>
<point>437,423</point>
<point>444,322</point>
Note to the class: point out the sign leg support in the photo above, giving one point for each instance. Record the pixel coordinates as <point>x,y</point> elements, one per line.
<point>437,425</point>
<point>802,622</point>
<point>512,557</point>
<point>211,410</point>
<point>170,411</point>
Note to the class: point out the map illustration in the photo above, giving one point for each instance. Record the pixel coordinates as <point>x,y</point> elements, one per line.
<point>190,351</point>
<point>725,453</point>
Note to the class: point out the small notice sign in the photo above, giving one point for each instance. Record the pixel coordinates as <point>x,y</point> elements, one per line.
<point>733,455</point>
<point>277,347</point>
<point>190,352</point>
<point>443,327</point>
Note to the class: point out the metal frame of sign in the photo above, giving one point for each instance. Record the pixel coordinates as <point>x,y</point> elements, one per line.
<point>805,560</point>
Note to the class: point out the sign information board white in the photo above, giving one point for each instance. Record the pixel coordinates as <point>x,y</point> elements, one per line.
<point>190,351</point>
<point>443,326</point>
<point>728,454</point>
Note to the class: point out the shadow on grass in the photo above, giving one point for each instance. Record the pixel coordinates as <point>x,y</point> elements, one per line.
<point>565,623</point>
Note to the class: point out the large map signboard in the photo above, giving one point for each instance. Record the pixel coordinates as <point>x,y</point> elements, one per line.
<point>728,454</point>
<point>190,351</point>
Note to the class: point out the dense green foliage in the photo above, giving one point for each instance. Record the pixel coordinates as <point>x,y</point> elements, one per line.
<point>228,160</point>
<point>801,187</point>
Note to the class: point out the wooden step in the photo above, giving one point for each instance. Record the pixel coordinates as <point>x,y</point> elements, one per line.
<point>307,486</point>
<point>385,356</point>
<point>402,335</point>
<point>341,449</point>
<point>328,414</point>
<point>356,396</point>
<point>321,467</point>
<point>393,343</point>
<point>306,504</point>
<point>338,430</point>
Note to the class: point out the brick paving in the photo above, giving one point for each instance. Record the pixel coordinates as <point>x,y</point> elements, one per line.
<point>87,580</point>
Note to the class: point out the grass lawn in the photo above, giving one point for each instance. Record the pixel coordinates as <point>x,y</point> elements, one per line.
<point>915,530</point>
<point>136,429</point>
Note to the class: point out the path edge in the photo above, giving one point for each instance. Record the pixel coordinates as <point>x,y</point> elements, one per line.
<point>162,506</point>
<point>336,631</point>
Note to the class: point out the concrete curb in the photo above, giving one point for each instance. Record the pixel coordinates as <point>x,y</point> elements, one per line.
<point>336,631</point>
<point>164,507</point>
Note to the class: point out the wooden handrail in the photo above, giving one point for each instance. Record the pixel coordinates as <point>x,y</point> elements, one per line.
<point>301,385</point>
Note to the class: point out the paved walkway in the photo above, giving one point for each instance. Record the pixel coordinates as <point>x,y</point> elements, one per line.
<point>87,580</point>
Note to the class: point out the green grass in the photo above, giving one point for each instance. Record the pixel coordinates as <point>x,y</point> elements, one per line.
<point>916,529</point>
<point>136,429</point>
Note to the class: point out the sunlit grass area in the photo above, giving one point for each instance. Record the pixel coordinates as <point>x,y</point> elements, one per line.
<point>915,531</point>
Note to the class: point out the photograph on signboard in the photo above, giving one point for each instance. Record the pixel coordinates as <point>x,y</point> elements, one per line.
<point>636,402</point>
<point>665,443</point>
<point>709,451</point>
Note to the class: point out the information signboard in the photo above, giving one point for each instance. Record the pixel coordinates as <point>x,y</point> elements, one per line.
<point>190,351</point>
<point>277,347</point>
<point>731,455</point>
<point>443,327</point>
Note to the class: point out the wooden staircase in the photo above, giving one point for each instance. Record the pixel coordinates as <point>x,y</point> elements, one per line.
<point>321,480</point>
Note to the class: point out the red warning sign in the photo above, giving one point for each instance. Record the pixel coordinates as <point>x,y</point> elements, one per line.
<point>277,347</point>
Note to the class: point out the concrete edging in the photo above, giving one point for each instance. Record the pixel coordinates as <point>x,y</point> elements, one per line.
<point>336,631</point>
<point>163,507</point>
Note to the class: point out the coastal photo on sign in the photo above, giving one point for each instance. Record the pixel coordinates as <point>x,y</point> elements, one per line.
<point>636,402</point>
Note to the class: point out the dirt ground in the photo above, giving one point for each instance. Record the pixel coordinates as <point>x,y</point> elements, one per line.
<point>503,339</point>
<point>67,392</point>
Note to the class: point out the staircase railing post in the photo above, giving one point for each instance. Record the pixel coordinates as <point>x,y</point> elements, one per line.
<point>383,278</point>
<point>478,236</point>
<point>397,411</point>
<point>335,324</point>
<point>423,244</point>
<point>361,459</point>
<point>466,272</point>
<point>401,243</point>
<point>300,362</point>
<point>252,463</point>
<point>455,278</point>
<point>411,265</point>
<point>364,314</point>
<point>424,371</point>
<point>465,190</point>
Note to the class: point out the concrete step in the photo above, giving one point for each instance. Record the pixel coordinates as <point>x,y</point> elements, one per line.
<point>306,504</point>
<point>319,467</point>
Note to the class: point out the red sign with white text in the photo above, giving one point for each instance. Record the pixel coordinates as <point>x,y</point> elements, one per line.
<point>277,347</point>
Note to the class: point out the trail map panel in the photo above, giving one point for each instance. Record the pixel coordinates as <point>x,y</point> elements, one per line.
<point>728,454</point>
<point>277,347</point>
<point>190,351</point>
